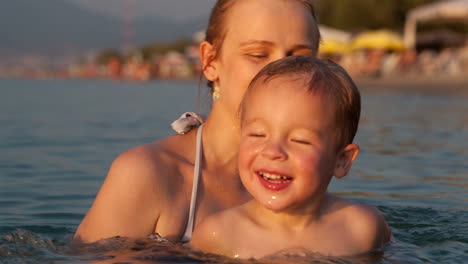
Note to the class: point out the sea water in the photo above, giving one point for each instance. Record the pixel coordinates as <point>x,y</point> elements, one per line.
<point>58,139</point>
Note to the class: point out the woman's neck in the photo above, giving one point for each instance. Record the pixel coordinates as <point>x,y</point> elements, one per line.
<point>221,137</point>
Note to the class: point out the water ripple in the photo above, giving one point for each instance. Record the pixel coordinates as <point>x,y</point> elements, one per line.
<point>57,143</point>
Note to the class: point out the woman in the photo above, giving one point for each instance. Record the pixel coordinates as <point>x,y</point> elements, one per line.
<point>149,188</point>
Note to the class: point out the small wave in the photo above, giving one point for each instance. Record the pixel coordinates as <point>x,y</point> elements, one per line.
<point>45,244</point>
<point>22,244</point>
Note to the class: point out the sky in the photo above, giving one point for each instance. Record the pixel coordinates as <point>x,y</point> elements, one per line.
<point>176,10</point>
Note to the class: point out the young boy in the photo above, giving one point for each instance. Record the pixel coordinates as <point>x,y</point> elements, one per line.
<point>298,120</point>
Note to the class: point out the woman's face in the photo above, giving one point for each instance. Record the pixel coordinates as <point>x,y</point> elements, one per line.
<point>257,33</point>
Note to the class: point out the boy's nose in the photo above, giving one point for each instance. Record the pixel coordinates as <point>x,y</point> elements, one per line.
<point>274,150</point>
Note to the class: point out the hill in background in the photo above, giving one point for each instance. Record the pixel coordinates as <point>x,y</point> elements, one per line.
<point>58,28</point>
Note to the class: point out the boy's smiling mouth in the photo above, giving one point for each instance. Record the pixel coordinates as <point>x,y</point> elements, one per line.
<point>273,181</point>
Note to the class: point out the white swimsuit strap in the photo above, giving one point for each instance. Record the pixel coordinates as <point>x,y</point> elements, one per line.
<point>196,177</point>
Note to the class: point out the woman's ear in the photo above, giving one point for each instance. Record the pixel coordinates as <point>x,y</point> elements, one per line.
<point>345,159</point>
<point>207,57</point>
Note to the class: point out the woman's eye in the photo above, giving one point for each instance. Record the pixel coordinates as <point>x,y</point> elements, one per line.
<point>303,53</point>
<point>257,56</point>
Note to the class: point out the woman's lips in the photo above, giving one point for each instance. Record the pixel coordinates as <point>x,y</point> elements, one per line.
<point>274,181</point>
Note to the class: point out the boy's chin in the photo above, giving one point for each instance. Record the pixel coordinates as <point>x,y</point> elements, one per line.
<point>289,205</point>
<point>275,205</point>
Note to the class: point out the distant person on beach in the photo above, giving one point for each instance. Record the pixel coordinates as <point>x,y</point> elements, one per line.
<point>298,120</point>
<point>169,186</point>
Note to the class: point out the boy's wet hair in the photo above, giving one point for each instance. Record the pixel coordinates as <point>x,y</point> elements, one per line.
<point>323,77</point>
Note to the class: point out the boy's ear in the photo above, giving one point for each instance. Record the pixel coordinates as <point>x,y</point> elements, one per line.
<point>345,159</point>
<point>207,55</point>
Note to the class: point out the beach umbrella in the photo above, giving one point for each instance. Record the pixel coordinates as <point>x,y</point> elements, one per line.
<point>379,39</point>
<point>331,46</point>
<point>334,41</point>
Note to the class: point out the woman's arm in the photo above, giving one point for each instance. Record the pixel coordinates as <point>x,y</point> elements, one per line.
<point>128,203</point>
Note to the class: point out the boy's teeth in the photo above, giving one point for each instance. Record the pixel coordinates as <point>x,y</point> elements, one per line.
<point>270,176</point>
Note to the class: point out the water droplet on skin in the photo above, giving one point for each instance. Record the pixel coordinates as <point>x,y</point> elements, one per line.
<point>273,197</point>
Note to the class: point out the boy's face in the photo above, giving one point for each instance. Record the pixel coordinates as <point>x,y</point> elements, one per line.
<point>288,145</point>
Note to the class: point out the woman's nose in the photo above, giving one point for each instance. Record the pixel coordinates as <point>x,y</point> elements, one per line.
<point>274,150</point>
<point>280,54</point>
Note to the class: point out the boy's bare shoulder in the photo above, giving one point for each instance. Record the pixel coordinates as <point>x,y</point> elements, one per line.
<point>217,232</point>
<point>218,225</point>
<point>364,223</point>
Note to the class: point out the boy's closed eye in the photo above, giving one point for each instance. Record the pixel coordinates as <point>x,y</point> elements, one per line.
<point>256,134</point>
<point>301,141</point>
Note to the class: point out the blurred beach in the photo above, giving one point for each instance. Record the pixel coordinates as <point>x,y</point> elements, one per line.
<point>410,45</point>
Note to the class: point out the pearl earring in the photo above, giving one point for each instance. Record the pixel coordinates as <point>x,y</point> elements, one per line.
<point>216,92</point>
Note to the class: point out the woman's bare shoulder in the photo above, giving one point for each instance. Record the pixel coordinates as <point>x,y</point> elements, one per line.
<point>143,180</point>
<point>158,159</point>
<point>155,169</point>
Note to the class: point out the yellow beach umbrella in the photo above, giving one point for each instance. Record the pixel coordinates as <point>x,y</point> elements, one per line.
<point>379,39</point>
<point>331,46</point>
